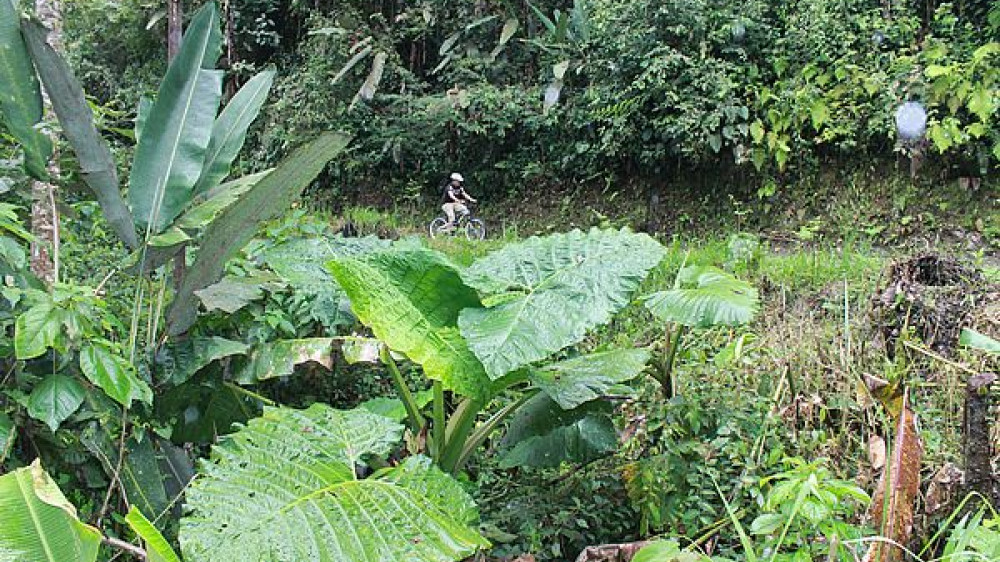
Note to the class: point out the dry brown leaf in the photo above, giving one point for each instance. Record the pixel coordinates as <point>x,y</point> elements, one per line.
<point>611,552</point>
<point>942,489</point>
<point>893,505</point>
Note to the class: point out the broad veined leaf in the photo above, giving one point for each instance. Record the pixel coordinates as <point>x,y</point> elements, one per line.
<point>185,358</point>
<point>8,433</point>
<point>302,263</point>
<point>37,329</point>
<point>982,342</point>
<point>279,358</point>
<point>544,294</point>
<point>233,293</point>
<point>114,375</point>
<point>411,300</point>
<point>542,434</point>
<point>97,167</point>
<point>175,136</point>
<point>236,225</point>
<point>574,381</point>
<point>157,547</point>
<point>54,399</point>
<point>210,204</point>
<point>230,131</point>
<point>707,296</point>
<point>284,489</point>
<point>39,524</point>
<point>895,498</point>
<point>20,96</point>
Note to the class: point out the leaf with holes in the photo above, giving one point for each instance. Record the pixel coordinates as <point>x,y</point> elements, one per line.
<point>284,489</point>
<point>279,358</point>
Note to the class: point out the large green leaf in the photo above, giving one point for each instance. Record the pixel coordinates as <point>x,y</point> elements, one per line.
<point>234,227</point>
<point>114,374</point>
<point>284,489</point>
<point>279,358</point>
<point>411,300</point>
<point>177,130</point>
<point>39,524</point>
<point>542,434</point>
<point>707,296</point>
<point>544,294</point>
<point>582,379</point>
<point>230,130</point>
<point>54,399</point>
<point>37,329</point>
<point>97,167</point>
<point>157,547</point>
<point>20,96</point>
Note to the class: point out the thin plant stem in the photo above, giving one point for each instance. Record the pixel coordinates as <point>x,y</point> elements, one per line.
<point>438,427</point>
<point>417,421</point>
<point>481,433</point>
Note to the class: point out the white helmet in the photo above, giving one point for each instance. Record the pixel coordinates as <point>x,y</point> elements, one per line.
<point>457,177</point>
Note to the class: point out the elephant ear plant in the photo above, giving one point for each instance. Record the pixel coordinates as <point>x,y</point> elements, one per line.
<point>702,297</point>
<point>498,327</point>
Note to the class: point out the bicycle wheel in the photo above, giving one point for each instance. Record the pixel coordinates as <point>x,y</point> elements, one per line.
<point>436,227</point>
<point>475,229</point>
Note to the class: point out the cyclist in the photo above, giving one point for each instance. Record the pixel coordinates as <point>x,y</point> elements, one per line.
<point>453,199</point>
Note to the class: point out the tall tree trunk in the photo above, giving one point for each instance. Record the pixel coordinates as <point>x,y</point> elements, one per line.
<point>44,212</point>
<point>175,26</point>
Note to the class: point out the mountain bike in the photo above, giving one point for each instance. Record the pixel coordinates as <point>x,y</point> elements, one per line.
<point>465,223</point>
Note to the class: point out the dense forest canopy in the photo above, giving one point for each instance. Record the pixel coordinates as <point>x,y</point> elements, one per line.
<point>520,93</point>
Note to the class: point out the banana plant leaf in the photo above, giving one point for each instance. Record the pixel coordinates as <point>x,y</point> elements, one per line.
<point>178,128</point>
<point>230,130</point>
<point>39,523</point>
<point>20,95</point>
<point>97,167</point>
